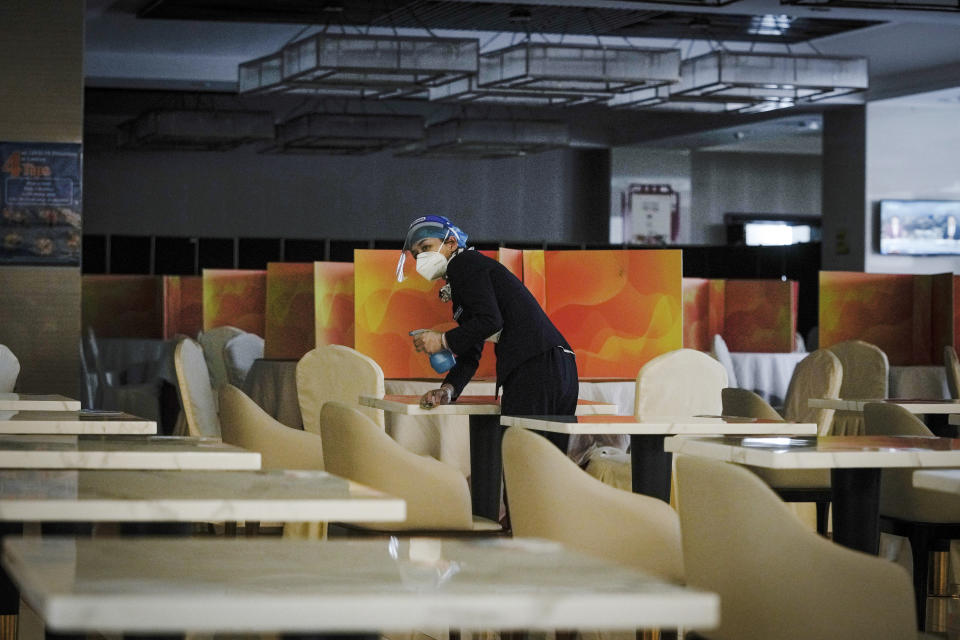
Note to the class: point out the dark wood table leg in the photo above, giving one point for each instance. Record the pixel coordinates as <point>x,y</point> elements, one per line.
<point>651,466</point>
<point>486,465</point>
<point>856,508</point>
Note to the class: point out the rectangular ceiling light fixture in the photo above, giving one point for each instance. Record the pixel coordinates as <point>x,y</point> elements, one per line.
<point>467,91</point>
<point>193,130</point>
<point>345,134</point>
<point>916,5</point>
<point>573,67</point>
<point>490,138</point>
<point>772,78</point>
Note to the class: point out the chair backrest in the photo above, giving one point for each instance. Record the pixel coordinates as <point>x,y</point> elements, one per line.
<point>819,375</point>
<point>685,382</point>
<point>336,372</point>
<point>9,369</point>
<point>196,394</point>
<point>746,404</point>
<point>952,365</point>
<point>720,351</point>
<point>355,447</point>
<point>239,354</point>
<point>885,419</point>
<point>866,369</point>
<point>552,498</point>
<point>775,577</point>
<point>246,425</point>
<point>213,342</point>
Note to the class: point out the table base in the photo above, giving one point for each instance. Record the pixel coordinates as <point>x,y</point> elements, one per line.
<point>650,466</point>
<point>856,505</point>
<point>486,465</point>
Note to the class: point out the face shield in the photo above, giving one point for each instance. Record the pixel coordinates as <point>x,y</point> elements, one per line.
<point>428,227</point>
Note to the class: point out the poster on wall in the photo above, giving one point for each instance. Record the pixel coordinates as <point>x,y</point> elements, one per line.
<point>40,203</point>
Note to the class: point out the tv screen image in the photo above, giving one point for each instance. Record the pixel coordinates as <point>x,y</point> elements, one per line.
<point>920,227</point>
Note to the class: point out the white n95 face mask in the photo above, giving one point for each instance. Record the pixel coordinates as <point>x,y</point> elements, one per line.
<point>431,264</point>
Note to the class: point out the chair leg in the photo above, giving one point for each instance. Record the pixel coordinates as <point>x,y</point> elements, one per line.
<point>920,548</point>
<point>823,515</point>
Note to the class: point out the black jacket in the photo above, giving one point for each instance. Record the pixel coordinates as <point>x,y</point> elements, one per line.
<point>488,298</point>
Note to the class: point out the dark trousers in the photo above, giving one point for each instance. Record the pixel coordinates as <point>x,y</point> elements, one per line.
<point>545,385</point>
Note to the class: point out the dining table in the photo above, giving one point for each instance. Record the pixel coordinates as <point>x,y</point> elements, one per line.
<point>913,405</point>
<point>650,463</point>
<point>37,402</point>
<point>485,437</point>
<point>342,588</point>
<point>855,464</point>
<point>74,423</point>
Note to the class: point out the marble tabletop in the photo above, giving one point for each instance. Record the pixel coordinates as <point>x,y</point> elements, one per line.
<point>74,422</point>
<point>825,452</point>
<point>153,585</point>
<point>122,452</point>
<point>938,480</point>
<point>190,496</point>
<point>465,405</point>
<point>667,425</point>
<point>37,402</point>
<point>913,405</point>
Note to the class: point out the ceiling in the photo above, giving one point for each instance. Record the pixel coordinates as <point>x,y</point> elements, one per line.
<point>142,53</point>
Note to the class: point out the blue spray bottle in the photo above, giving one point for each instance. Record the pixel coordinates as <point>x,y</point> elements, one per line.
<point>441,361</point>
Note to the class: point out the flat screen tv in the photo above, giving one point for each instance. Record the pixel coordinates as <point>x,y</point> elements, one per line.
<point>920,227</point>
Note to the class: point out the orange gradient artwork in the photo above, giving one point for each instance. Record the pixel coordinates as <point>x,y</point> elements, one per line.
<point>289,325</point>
<point>617,309</point>
<point>760,315</point>
<point>333,297</point>
<point>118,306</point>
<point>235,297</point>
<point>182,306</point>
<point>534,274</point>
<point>702,312</point>
<point>512,259</point>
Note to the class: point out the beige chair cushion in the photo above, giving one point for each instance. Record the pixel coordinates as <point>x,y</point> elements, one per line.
<point>866,375</point>
<point>953,371</point>
<point>336,372</point>
<point>213,342</point>
<point>775,578</point>
<point>898,497</point>
<point>552,498</point>
<point>819,375</point>
<point>196,394</point>
<point>747,404</point>
<point>239,354</point>
<point>355,447</point>
<point>244,424</point>
<point>9,369</point>
<point>684,382</point>
<point>611,466</point>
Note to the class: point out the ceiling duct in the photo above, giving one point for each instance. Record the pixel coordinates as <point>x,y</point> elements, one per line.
<point>373,66</point>
<point>196,130</point>
<point>921,5</point>
<point>765,81</point>
<point>468,91</point>
<point>345,134</point>
<point>489,138</point>
<point>588,69</point>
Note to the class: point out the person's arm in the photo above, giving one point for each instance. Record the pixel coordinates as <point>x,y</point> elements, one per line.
<point>462,372</point>
<point>483,318</point>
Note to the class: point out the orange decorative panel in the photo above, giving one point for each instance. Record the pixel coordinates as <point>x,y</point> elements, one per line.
<point>289,325</point>
<point>534,274</point>
<point>182,306</point>
<point>387,310</point>
<point>235,297</point>
<point>333,297</point>
<point>702,312</point>
<point>905,315</point>
<point>760,315</point>
<point>617,309</point>
<point>122,306</point>
<point>512,259</point>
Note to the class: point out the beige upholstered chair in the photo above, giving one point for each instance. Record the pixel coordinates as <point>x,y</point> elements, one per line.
<point>929,519</point>
<point>213,342</point>
<point>552,498</point>
<point>336,372</point>
<point>9,369</point>
<point>952,365</point>
<point>239,354</point>
<point>746,404</point>
<point>866,375</point>
<point>685,382</point>
<point>196,394</point>
<point>776,579</point>
<point>437,497</point>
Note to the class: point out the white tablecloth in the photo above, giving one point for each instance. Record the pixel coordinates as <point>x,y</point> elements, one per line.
<point>766,374</point>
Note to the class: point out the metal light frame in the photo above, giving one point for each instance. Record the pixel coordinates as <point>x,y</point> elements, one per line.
<point>490,138</point>
<point>345,134</point>
<point>467,91</point>
<point>919,5</point>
